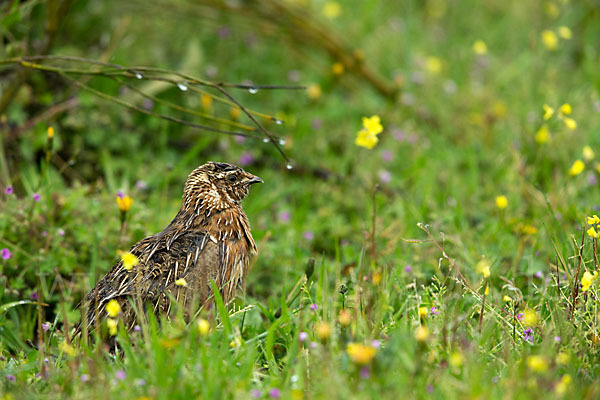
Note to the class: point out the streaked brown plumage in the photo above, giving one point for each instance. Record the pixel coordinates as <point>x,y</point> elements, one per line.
<point>209,239</point>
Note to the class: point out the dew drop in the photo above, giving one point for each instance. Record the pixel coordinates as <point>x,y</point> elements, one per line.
<point>282,142</point>
<point>289,166</point>
<point>278,121</point>
<point>253,90</point>
<point>138,75</point>
<point>265,140</point>
<point>182,86</point>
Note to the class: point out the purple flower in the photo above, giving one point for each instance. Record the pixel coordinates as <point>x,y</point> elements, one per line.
<point>387,155</point>
<point>120,375</point>
<point>557,339</point>
<point>8,190</point>
<point>147,104</point>
<point>308,235</point>
<point>520,316</point>
<point>302,336</point>
<point>246,159</point>
<point>284,216</point>
<point>141,185</point>
<point>5,253</point>
<point>528,335</point>
<point>314,307</point>
<point>137,328</point>
<point>429,389</point>
<point>274,393</point>
<point>46,326</point>
<point>11,378</point>
<point>408,269</point>
<point>240,139</point>
<point>44,233</point>
<point>36,197</point>
<point>399,135</point>
<point>120,194</point>
<point>84,377</point>
<point>434,310</point>
<point>365,372</point>
<point>255,393</point>
<point>375,343</point>
<point>140,382</point>
<point>223,32</point>
<point>385,176</point>
<point>316,124</point>
<point>539,274</point>
<point>313,345</point>
<point>34,296</point>
<point>61,232</point>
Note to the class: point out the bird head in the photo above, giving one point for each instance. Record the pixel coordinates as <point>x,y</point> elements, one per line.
<point>222,185</point>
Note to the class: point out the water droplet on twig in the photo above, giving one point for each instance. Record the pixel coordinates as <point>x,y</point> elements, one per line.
<point>282,142</point>
<point>265,140</point>
<point>138,75</point>
<point>182,86</point>
<point>253,90</point>
<point>289,166</point>
<point>278,121</point>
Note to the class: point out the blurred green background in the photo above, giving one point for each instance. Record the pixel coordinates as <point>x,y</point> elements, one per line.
<point>460,87</point>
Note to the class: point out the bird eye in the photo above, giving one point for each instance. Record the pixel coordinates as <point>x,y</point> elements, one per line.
<point>232,178</point>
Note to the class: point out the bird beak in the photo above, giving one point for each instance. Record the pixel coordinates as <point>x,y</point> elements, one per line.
<point>253,179</point>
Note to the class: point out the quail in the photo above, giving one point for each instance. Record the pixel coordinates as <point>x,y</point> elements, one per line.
<point>208,240</point>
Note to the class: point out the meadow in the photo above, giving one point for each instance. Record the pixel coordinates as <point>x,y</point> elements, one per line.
<point>427,227</point>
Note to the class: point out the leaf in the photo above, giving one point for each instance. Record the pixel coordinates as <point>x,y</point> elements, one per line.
<point>5,307</point>
<point>223,314</point>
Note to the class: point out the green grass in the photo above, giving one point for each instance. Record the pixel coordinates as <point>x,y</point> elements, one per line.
<point>453,141</point>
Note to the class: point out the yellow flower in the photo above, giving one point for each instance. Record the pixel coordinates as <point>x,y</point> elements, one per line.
<point>537,363</point>
<point>587,280</point>
<point>530,317</point>
<point>550,40</point>
<point>456,359</point>
<point>337,68</point>
<point>422,312</point>
<point>501,202</point>
<point>483,267</point>
<point>112,326</point>
<point>332,9</point>
<point>203,326</point>
<point>552,9</point>
<point>593,220</point>
<point>576,168</point>
<point>366,139</point>
<point>565,109</point>
<point>314,91</point>
<point>592,233</point>
<point>376,278</point>
<point>68,349</point>
<point>372,124</point>
<point>588,153</point>
<point>129,260</point>
<point>562,358</point>
<point>433,65</point>
<point>507,299</point>
<point>181,282</point>
<point>360,353</point>
<point>344,318</point>
<point>570,123</point>
<point>50,132</point>
<point>422,333</point>
<point>323,330</point>
<point>487,290</point>
<point>206,102</point>
<point>234,113</point>
<point>528,229</point>
<point>543,134</point>
<point>597,166</point>
<point>113,308</point>
<point>564,32</point>
<point>124,203</point>
<point>562,385</point>
<point>235,342</point>
<point>479,47</point>
<point>548,112</point>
